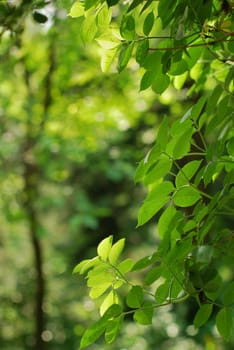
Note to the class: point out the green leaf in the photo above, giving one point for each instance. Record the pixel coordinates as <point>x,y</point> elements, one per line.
<point>148,23</point>
<point>104,248</point>
<point>178,68</point>
<point>86,264</point>
<point>162,292</point>
<point>153,62</point>
<point>146,80</point>
<point>224,323</point>
<point>125,265</point>
<point>110,299</point>
<point>179,146</point>
<point>134,4</point>
<point>228,296</point>
<point>141,51</point>
<point>202,315</point>
<point>162,136</point>
<point>187,172</point>
<point>116,250</point>
<point>135,297</point>
<point>167,221</point>
<point>124,56</point>
<point>112,2</point>
<point>155,200</point>
<point>107,58</point>
<point>127,28</point>
<point>90,3</point>
<point>153,275</point>
<point>93,332</point>
<point>160,83</point>
<point>204,254</point>
<point>145,314</point>
<point>112,329</point>
<point>186,196</point>
<point>104,17</point>
<point>146,261</point>
<point>89,29</point>
<point>157,171</point>
<point>99,289</point>
<point>77,10</point>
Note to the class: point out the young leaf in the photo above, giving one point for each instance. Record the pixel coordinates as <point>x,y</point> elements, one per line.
<point>77,10</point>
<point>110,299</point>
<point>135,297</point>
<point>224,323</point>
<point>186,196</point>
<point>104,248</point>
<point>116,250</point>
<point>85,265</point>
<point>125,265</point>
<point>202,315</point>
<point>145,314</point>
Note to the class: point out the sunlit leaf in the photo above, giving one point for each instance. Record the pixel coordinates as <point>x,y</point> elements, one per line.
<point>104,248</point>
<point>186,196</point>
<point>116,250</point>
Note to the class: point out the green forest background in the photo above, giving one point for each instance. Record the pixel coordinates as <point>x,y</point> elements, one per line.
<point>71,138</point>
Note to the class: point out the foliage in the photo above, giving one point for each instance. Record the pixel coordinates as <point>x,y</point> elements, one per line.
<point>189,171</point>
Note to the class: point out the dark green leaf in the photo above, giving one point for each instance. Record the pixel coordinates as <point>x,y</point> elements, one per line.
<point>39,17</point>
<point>228,296</point>
<point>134,4</point>
<point>153,275</point>
<point>112,2</point>
<point>112,329</point>
<point>93,332</point>
<point>142,50</point>
<point>146,80</point>
<point>202,315</point>
<point>148,23</point>
<point>127,28</point>
<point>178,68</point>
<point>124,56</point>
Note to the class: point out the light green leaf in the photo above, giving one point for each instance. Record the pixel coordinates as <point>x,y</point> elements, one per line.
<point>125,265</point>
<point>116,250</point>
<point>187,172</point>
<point>89,29</point>
<point>104,17</point>
<point>224,323</point>
<point>107,58</point>
<point>97,290</point>
<point>104,248</point>
<point>85,265</point>
<point>186,196</point>
<point>77,10</point>
<point>148,23</point>
<point>202,315</point>
<point>145,314</point>
<point>135,297</point>
<point>167,221</point>
<point>110,299</point>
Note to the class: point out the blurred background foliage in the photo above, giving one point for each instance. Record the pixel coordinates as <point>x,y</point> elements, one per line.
<point>71,138</point>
